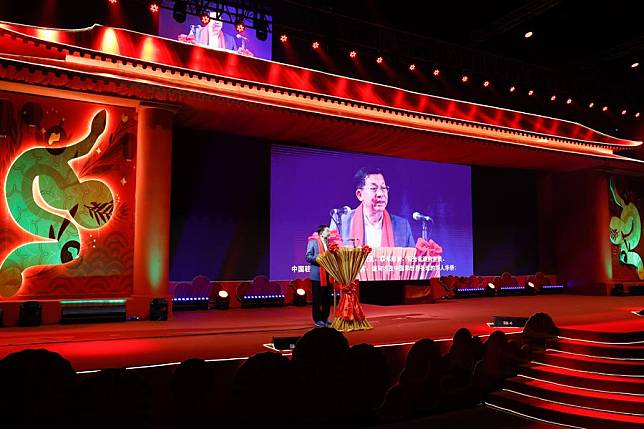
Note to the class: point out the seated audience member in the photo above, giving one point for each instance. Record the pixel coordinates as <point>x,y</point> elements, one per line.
<point>370,380</point>
<point>417,391</point>
<point>37,389</point>
<point>192,388</point>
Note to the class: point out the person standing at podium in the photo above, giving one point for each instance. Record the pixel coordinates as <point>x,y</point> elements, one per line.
<point>321,287</point>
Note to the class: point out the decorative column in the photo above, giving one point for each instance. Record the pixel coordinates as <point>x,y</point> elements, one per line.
<point>152,211</point>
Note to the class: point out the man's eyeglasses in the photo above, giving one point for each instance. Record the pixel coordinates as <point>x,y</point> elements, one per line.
<point>374,189</point>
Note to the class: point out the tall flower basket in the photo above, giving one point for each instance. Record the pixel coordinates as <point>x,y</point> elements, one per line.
<point>344,264</point>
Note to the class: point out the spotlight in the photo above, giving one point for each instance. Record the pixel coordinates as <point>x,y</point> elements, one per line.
<point>490,290</point>
<point>553,98</point>
<point>205,18</point>
<point>591,105</point>
<point>513,88</point>
<point>624,112</point>
<point>154,7</point>
<point>412,67</point>
<point>179,11</point>
<point>222,300</point>
<point>528,34</point>
<point>113,1</point>
<point>569,101</point>
<point>436,72</point>
<point>300,297</point>
<point>486,83</point>
<point>239,25</point>
<point>605,109</point>
<point>530,288</point>
<point>531,92</point>
<point>315,45</point>
<point>635,65</point>
<point>261,28</point>
<point>283,38</point>
<point>637,115</point>
<point>379,60</point>
<point>465,78</point>
<point>353,54</point>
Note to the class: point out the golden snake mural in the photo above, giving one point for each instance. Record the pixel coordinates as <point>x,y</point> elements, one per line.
<point>625,232</point>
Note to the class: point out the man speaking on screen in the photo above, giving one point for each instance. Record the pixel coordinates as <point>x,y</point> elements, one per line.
<point>370,223</point>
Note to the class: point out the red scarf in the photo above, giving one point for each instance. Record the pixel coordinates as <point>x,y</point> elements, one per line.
<point>356,230</point>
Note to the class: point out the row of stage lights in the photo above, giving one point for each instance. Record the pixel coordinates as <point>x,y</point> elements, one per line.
<point>466,80</point>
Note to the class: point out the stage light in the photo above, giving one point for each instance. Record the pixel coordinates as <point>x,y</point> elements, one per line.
<point>379,60</point>
<point>353,54</point>
<point>154,7</point>
<point>315,45</point>
<point>465,78</point>
<point>528,34</point>
<point>531,92</point>
<point>412,67</point>
<point>283,38</point>
<point>300,297</point>
<point>605,109</point>
<point>530,288</point>
<point>553,98</point>
<point>436,72</point>
<point>113,1</point>
<point>637,115</point>
<point>569,101</point>
<point>513,88</point>
<point>179,11</point>
<point>591,105</point>
<point>30,314</point>
<point>624,112</point>
<point>486,83</point>
<point>159,309</point>
<point>240,27</point>
<point>222,300</point>
<point>205,18</point>
<point>490,290</point>
<point>261,28</point>
<point>635,65</point>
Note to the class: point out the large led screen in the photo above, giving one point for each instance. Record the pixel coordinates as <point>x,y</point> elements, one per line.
<point>216,34</point>
<point>416,215</point>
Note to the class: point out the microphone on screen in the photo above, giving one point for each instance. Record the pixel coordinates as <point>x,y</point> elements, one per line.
<point>341,211</point>
<point>419,216</point>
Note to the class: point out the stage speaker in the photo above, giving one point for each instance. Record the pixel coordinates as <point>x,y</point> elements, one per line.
<point>159,309</point>
<point>509,322</point>
<point>92,311</point>
<point>30,314</point>
<point>285,343</point>
<point>618,290</point>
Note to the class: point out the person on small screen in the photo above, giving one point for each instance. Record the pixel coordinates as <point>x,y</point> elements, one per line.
<point>320,284</point>
<point>214,37</point>
<point>370,223</point>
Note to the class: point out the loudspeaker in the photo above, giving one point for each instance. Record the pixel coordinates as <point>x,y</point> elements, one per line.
<point>30,314</point>
<point>509,322</point>
<point>159,309</point>
<point>618,290</point>
<point>285,343</point>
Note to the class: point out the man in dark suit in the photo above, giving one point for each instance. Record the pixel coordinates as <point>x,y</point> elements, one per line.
<point>321,287</point>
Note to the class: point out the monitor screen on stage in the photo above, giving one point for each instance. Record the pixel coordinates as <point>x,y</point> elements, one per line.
<point>217,34</point>
<point>415,215</point>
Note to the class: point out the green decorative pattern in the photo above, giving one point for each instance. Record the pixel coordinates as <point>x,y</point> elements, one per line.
<point>626,231</point>
<point>47,170</point>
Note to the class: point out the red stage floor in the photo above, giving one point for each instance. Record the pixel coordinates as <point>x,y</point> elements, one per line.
<point>239,333</point>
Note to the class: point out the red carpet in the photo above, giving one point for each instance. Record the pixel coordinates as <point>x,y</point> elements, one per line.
<point>238,333</point>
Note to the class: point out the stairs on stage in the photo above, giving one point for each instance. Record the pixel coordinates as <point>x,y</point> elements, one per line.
<point>584,379</point>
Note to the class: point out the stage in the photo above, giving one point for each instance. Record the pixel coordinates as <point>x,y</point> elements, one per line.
<point>238,333</point>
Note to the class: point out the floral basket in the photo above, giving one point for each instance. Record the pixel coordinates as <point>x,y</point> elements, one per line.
<point>344,265</point>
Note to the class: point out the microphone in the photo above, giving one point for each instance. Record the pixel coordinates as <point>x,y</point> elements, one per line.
<point>239,36</point>
<point>418,216</point>
<point>341,210</point>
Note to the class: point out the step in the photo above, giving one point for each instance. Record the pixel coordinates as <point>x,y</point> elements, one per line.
<point>562,414</point>
<point>584,380</point>
<point>610,402</point>
<point>592,364</point>
<point>607,337</point>
<point>624,351</point>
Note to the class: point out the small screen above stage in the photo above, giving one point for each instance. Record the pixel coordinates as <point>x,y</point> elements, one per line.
<point>416,215</point>
<point>216,34</point>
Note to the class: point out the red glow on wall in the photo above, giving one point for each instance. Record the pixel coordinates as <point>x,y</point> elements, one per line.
<point>109,42</point>
<point>148,49</point>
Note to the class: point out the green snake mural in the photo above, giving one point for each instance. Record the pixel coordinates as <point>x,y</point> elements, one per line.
<point>41,177</point>
<point>625,232</point>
